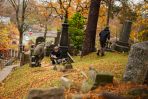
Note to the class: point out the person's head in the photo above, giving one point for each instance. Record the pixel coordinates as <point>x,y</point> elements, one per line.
<point>106,28</point>
<point>56,49</point>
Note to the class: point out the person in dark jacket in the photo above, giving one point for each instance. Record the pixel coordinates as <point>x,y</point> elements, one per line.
<point>104,36</point>
<point>56,55</point>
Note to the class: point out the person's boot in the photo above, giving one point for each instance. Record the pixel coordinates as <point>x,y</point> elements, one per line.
<point>98,53</point>
<point>102,52</point>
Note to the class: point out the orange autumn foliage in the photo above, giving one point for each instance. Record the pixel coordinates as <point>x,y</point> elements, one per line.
<point>9,37</point>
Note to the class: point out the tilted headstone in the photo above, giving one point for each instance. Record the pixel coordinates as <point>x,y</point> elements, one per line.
<point>95,79</point>
<point>137,66</point>
<point>51,93</point>
<point>122,45</point>
<point>87,85</point>
<point>92,73</point>
<point>38,54</point>
<point>65,82</point>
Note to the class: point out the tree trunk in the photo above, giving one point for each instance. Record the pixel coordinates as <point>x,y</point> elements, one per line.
<point>45,33</point>
<point>90,33</point>
<point>108,13</point>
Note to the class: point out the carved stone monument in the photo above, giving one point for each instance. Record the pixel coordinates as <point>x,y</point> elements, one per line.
<point>122,45</point>
<point>64,42</point>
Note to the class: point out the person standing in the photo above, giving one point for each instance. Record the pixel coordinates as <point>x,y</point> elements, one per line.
<point>104,36</point>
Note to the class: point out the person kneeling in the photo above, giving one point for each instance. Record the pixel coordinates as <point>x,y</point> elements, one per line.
<point>56,56</point>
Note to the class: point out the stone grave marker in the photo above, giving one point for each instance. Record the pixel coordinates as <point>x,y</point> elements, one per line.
<point>51,93</point>
<point>122,45</point>
<point>137,66</point>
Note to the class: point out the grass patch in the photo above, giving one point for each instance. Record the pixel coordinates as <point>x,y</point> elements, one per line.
<point>23,78</point>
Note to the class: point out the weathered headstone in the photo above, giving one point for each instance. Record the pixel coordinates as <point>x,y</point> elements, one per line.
<point>92,73</point>
<point>103,78</point>
<point>38,54</point>
<point>137,66</point>
<point>122,45</point>
<point>87,85</point>
<point>94,79</point>
<point>65,82</point>
<point>52,93</point>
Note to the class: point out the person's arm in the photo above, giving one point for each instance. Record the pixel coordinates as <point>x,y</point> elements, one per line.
<point>60,55</point>
<point>108,35</point>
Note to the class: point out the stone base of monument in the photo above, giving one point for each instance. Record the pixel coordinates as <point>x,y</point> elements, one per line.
<point>51,93</point>
<point>121,46</point>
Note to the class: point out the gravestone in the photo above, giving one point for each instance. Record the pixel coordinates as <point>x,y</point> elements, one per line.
<point>39,53</point>
<point>65,82</point>
<point>64,42</point>
<point>137,66</point>
<point>122,45</point>
<point>94,79</point>
<point>51,93</point>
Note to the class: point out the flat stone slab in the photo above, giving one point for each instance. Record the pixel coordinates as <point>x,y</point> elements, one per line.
<point>6,71</point>
<point>47,93</point>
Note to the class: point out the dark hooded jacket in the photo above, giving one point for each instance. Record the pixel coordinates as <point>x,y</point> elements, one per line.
<point>104,34</point>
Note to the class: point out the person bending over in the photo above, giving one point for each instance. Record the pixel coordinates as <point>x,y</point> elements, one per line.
<point>56,55</point>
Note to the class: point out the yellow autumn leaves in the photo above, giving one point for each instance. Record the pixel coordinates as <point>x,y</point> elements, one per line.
<point>8,33</point>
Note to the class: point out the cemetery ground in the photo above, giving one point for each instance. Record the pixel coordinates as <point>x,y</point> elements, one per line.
<point>17,85</point>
